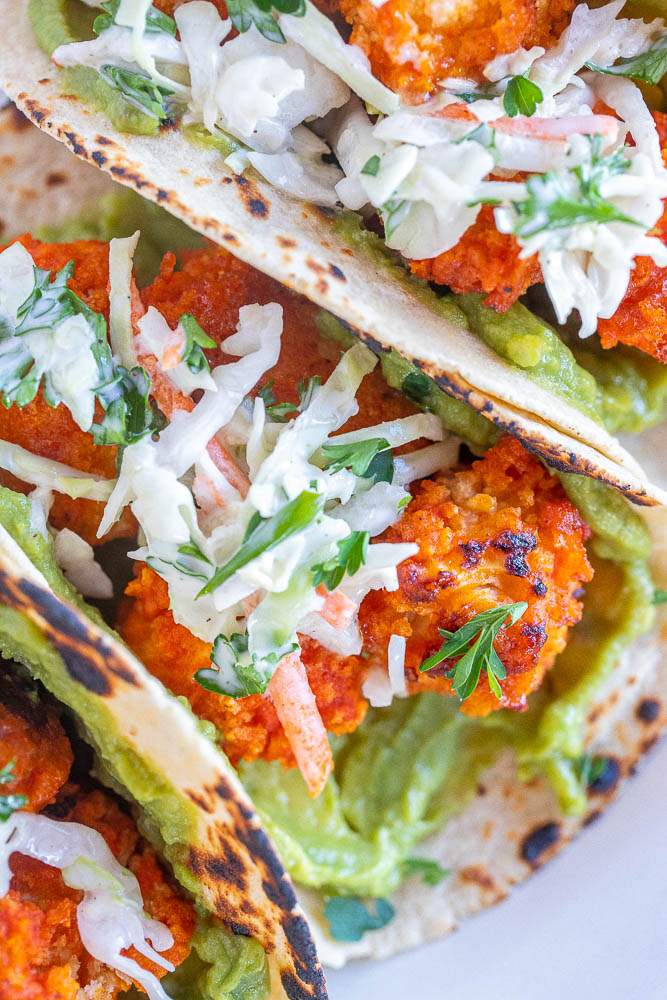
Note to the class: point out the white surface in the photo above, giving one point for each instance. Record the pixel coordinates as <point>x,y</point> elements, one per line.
<point>589,925</point>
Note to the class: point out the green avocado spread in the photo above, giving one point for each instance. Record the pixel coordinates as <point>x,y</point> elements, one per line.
<point>224,966</point>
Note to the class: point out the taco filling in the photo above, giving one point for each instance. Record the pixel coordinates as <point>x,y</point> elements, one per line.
<point>351,576</point>
<point>502,149</point>
<point>87,906</point>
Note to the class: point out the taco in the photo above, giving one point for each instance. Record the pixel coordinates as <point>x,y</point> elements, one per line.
<point>130,100</point>
<point>290,585</point>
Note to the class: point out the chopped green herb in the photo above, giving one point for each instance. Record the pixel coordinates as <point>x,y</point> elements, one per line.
<point>552,203</point>
<point>155,19</point>
<point>659,596</point>
<point>129,414</point>
<point>356,456</point>
<point>431,872</point>
<point>349,918</point>
<point>248,675</point>
<point>245,13</point>
<point>483,94</point>
<point>416,386</point>
<point>371,166</point>
<point>591,769</point>
<point>479,656</point>
<point>351,555</point>
<point>521,97</point>
<point>403,503</point>
<point>269,532</point>
<point>392,213</point>
<point>190,549</point>
<point>9,803</point>
<point>195,339</point>
<point>280,413</point>
<point>306,389</point>
<point>650,66</point>
<point>139,90</point>
<point>485,135</point>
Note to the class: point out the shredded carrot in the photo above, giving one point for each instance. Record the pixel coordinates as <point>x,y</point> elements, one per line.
<point>338,609</point>
<point>297,711</point>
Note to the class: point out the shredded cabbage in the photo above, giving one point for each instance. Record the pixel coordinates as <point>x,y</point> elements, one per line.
<point>52,475</point>
<point>76,559</point>
<point>110,916</point>
<point>121,254</point>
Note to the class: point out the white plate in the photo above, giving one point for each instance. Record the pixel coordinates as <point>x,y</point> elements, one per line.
<point>592,924</point>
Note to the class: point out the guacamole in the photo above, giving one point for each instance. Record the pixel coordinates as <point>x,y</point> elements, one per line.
<point>238,970</point>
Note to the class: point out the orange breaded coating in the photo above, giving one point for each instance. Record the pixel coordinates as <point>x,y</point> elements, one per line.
<point>213,286</point>
<point>50,431</point>
<point>413,45</point>
<point>500,532</point>
<point>249,726</point>
<point>483,261</point>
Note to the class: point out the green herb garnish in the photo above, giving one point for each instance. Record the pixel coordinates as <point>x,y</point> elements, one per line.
<point>392,213</point>
<point>280,413</point>
<point>481,655</point>
<point>371,166</point>
<point>245,13</point>
<point>351,555</point>
<point>155,19</point>
<point>357,456</point>
<point>269,532</point>
<point>139,90</point>
<point>659,596</point>
<point>590,769</point>
<point>650,66</point>
<point>521,97</point>
<point>248,675</point>
<point>431,872</point>
<point>9,803</point>
<point>349,918</point>
<point>195,340</point>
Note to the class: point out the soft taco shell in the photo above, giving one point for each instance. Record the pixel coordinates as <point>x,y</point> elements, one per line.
<point>301,246</point>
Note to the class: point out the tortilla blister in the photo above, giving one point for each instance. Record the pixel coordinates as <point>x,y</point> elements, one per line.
<point>229,855</point>
<point>300,246</point>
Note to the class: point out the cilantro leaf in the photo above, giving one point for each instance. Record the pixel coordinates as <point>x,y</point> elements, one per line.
<point>195,339</point>
<point>650,66</point>
<point>659,596</point>
<point>351,556</point>
<point>306,389</point>
<point>155,19</point>
<point>129,414</point>
<point>554,202</point>
<point>269,532</point>
<point>280,413</point>
<point>9,803</point>
<point>416,386</point>
<point>245,13</point>
<point>521,97</point>
<point>349,918</point>
<point>392,213</point>
<point>139,90</point>
<point>356,456</point>
<point>431,872</point>
<point>371,166</point>
<point>238,674</point>
<point>475,641</point>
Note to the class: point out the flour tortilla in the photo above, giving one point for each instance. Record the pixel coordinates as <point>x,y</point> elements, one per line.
<point>299,245</point>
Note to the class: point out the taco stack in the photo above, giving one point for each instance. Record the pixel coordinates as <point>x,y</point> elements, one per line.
<point>339,138</point>
<point>352,606</point>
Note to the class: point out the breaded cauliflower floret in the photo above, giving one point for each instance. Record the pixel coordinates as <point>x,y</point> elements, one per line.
<point>500,532</point>
<point>413,45</point>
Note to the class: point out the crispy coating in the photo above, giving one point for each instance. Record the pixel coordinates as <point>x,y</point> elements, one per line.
<point>483,261</point>
<point>213,286</point>
<point>641,318</point>
<point>50,431</point>
<point>41,953</point>
<point>249,726</point>
<point>499,532</point>
<point>413,45</point>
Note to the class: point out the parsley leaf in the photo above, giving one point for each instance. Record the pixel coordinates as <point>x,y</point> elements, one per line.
<point>392,213</point>
<point>357,456</point>
<point>9,803</point>
<point>195,339</point>
<point>650,66</point>
<point>555,202</point>
<point>521,97</point>
<point>349,918</point>
<point>269,532</point>
<point>659,596</point>
<point>155,19</point>
<point>139,90</point>
<point>431,872</point>
<point>479,656</point>
<point>248,675</point>
<point>280,413</point>
<point>245,13</point>
<point>371,166</point>
<point>351,555</point>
